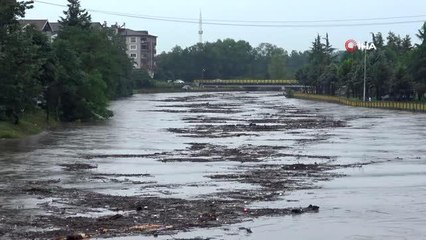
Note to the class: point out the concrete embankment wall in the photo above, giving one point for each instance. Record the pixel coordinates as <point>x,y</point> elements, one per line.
<point>407,106</point>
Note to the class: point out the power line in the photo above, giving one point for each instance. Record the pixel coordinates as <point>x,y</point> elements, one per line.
<point>248,21</point>
<point>260,23</point>
<point>323,21</point>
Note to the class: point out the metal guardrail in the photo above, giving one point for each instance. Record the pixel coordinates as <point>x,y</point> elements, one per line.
<point>408,106</point>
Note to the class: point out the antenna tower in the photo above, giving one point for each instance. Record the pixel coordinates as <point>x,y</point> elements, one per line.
<point>200,31</point>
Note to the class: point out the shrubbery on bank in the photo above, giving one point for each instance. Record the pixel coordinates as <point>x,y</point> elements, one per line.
<point>71,78</point>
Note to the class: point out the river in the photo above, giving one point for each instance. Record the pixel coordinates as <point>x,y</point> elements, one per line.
<point>383,198</point>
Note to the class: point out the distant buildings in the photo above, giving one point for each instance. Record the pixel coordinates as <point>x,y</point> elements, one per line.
<point>41,25</point>
<point>55,27</point>
<point>141,46</point>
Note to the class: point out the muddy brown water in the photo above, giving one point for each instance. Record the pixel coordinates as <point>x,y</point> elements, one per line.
<point>196,146</point>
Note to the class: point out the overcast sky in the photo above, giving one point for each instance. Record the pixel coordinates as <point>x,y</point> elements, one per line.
<point>171,34</point>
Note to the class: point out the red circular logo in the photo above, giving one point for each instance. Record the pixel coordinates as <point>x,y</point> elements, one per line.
<point>351,46</point>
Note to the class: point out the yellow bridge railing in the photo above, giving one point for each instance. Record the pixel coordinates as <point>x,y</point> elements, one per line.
<point>408,106</point>
<point>246,82</point>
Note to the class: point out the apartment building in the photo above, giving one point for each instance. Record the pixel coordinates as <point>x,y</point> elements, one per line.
<point>141,47</point>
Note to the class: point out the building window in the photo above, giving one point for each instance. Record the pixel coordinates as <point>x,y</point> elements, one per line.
<point>133,55</point>
<point>133,39</point>
<point>144,47</point>
<point>143,39</point>
<point>133,47</point>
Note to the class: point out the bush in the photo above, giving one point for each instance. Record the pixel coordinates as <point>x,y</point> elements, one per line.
<point>289,93</point>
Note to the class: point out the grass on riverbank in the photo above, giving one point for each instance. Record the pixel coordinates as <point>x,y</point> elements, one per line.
<point>30,124</point>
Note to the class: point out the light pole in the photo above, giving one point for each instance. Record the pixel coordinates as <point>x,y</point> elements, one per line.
<point>202,73</point>
<point>365,72</point>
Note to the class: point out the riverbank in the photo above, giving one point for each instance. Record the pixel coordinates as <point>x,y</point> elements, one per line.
<point>35,123</point>
<point>29,124</point>
<point>405,106</point>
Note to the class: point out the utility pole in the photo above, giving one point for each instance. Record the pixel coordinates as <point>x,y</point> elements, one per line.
<point>365,73</point>
<point>200,31</point>
<point>202,73</point>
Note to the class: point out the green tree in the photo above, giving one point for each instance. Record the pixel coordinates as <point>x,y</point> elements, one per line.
<point>321,57</point>
<point>93,67</point>
<point>276,67</point>
<point>418,64</point>
<point>19,61</point>
<point>379,74</point>
<point>378,40</point>
<point>75,16</point>
<point>225,59</point>
<point>296,61</point>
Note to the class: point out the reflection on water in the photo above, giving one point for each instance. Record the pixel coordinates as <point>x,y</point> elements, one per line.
<point>379,201</point>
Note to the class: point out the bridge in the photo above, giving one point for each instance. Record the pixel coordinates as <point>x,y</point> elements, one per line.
<point>251,84</point>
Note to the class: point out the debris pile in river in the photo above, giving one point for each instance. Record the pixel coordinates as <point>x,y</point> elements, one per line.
<point>270,169</point>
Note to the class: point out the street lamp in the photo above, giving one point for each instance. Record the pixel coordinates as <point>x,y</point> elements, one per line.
<point>202,73</point>
<point>365,72</point>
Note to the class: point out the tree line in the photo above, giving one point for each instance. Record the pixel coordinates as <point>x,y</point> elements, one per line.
<point>72,77</point>
<point>396,70</point>
<point>229,59</point>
